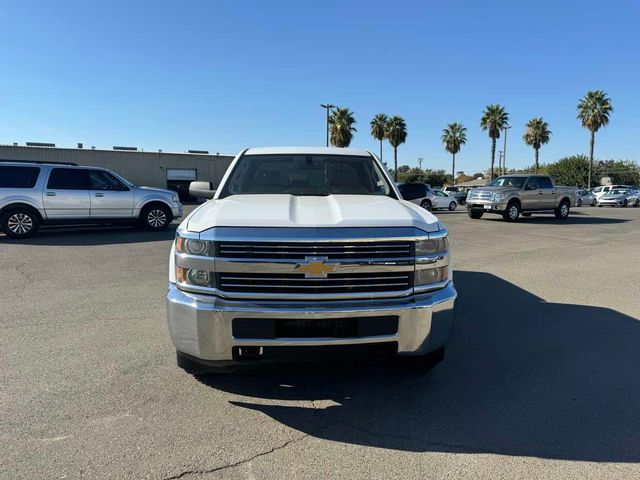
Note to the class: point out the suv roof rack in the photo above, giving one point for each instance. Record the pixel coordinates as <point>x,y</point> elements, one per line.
<point>38,162</point>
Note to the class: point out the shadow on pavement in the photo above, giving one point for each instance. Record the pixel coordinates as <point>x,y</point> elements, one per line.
<point>92,235</point>
<point>521,377</point>
<point>573,219</point>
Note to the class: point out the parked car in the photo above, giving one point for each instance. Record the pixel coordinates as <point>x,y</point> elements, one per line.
<point>620,197</point>
<point>512,195</point>
<point>458,193</point>
<point>585,197</point>
<point>419,193</point>
<point>445,201</point>
<point>303,251</point>
<point>33,194</point>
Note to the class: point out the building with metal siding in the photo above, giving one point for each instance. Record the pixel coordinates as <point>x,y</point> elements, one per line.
<point>154,169</point>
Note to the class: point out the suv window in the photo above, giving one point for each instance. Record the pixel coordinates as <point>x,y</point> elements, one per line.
<point>412,191</point>
<point>18,177</point>
<point>545,182</point>
<point>101,180</point>
<point>68,179</point>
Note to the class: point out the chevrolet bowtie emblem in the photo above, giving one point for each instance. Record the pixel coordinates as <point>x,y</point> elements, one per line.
<point>315,267</point>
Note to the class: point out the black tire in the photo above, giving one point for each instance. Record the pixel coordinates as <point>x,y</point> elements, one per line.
<point>562,212</point>
<point>594,202</point>
<point>526,214</point>
<point>474,214</point>
<point>637,204</point>
<point>422,363</point>
<point>426,204</point>
<point>579,203</point>
<point>453,206</point>
<point>156,217</point>
<point>512,212</point>
<point>625,203</point>
<point>189,366</point>
<point>600,206</point>
<point>20,223</point>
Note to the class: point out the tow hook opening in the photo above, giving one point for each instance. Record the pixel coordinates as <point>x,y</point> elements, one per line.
<point>248,353</point>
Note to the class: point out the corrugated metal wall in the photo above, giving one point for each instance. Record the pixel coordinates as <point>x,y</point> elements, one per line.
<point>141,168</point>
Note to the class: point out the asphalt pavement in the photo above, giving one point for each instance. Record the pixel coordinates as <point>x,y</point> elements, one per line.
<point>541,378</point>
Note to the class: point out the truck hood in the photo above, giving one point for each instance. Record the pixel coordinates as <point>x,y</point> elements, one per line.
<point>310,211</point>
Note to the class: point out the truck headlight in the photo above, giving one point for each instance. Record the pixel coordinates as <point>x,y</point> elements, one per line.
<point>498,197</point>
<point>194,246</point>
<point>195,277</point>
<point>431,275</point>
<point>430,246</point>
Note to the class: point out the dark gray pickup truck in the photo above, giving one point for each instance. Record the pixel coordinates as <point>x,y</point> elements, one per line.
<point>513,195</point>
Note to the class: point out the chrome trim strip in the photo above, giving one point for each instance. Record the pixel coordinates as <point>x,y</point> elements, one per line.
<point>431,261</point>
<point>239,265</point>
<point>302,342</point>
<point>430,287</point>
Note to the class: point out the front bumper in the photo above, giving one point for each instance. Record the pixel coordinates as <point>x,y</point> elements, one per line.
<point>486,206</point>
<point>201,325</point>
<point>611,203</point>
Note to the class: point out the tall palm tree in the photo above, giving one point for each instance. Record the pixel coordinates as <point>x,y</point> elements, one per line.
<point>494,118</point>
<point>341,126</point>
<point>536,135</point>
<point>396,132</point>
<point>453,137</point>
<point>593,111</point>
<point>377,128</point>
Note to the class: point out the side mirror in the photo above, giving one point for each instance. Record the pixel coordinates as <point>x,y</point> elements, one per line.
<point>201,189</point>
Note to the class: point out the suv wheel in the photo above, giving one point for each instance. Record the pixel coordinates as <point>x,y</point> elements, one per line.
<point>453,206</point>
<point>155,217</point>
<point>624,204</point>
<point>474,214</point>
<point>593,202</point>
<point>512,212</point>
<point>426,204</point>
<point>20,223</point>
<point>562,212</point>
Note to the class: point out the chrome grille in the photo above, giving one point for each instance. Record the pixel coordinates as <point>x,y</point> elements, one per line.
<point>295,283</point>
<point>373,250</point>
<point>480,195</point>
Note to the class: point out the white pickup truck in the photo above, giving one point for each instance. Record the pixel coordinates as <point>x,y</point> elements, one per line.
<point>303,252</point>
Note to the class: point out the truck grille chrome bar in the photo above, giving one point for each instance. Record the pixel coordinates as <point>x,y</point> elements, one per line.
<point>301,250</point>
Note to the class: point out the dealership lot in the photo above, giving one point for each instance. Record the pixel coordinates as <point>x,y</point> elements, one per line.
<point>541,377</point>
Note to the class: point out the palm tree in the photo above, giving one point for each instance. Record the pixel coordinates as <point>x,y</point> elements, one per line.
<point>494,118</point>
<point>536,135</point>
<point>341,124</point>
<point>593,111</point>
<point>377,128</point>
<point>453,137</point>
<point>396,132</point>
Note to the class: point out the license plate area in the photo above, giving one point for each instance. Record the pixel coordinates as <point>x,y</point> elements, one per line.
<point>487,207</point>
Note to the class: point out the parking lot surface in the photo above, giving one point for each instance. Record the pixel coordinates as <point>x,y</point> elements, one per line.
<point>541,378</point>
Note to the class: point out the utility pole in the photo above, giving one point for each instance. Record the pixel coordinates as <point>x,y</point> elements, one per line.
<point>500,164</point>
<point>420,159</point>
<point>504,150</point>
<point>328,107</point>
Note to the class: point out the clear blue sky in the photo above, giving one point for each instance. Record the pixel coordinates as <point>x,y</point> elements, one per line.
<point>223,75</point>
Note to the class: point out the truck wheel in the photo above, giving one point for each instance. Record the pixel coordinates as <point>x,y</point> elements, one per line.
<point>474,214</point>
<point>624,204</point>
<point>562,212</point>
<point>155,217</point>
<point>452,206</point>
<point>512,212</point>
<point>593,202</point>
<point>422,363</point>
<point>20,223</point>
<point>426,204</point>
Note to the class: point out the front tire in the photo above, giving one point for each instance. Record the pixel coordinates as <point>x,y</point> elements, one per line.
<point>512,213</point>
<point>453,206</point>
<point>579,203</point>
<point>562,212</point>
<point>474,214</point>
<point>20,223</point>
<point>426,204</point>
<point>155,217</point>
<point>624,204</point>
<point>594,202</point>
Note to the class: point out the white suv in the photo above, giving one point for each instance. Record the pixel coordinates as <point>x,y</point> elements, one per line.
<point>419,193</point>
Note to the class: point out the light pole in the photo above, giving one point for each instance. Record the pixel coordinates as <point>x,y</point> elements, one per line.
<point>504,150</point>
<point>328,107</point>
<point>500,164</point>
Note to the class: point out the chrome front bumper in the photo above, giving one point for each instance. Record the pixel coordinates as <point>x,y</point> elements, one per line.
<point>201,325</point>
<point>486,205</point>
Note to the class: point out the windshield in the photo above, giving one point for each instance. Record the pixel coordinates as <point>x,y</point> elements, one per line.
<point>306,175</point>
<point>508,182</point>
<point>617,191</point>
